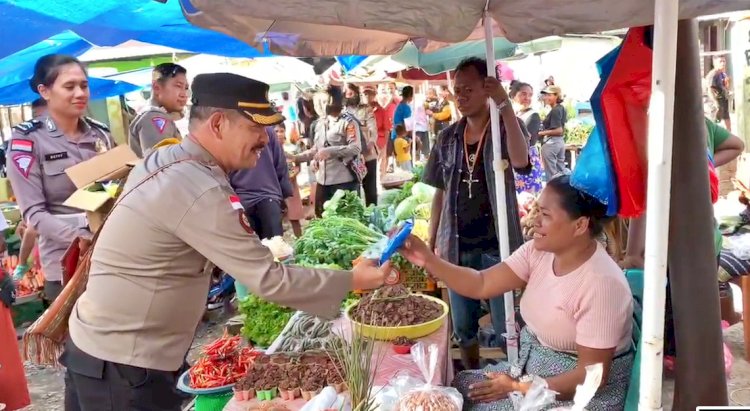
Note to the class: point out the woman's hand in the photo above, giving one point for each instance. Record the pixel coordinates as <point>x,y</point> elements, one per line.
<point>495,388</point>
<point>416,251</point>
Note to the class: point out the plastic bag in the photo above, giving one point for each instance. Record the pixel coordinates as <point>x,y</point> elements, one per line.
<point>713,179</point>
<point>326,400</point>
<point>586,391</point>
<point>537,397</point>
<point>422,395</point>
<point>594,174</point>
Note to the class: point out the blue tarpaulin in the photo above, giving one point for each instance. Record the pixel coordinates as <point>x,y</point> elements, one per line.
<point>109,23</point>
<point>349,63</point>
<point>20,93</point>
<point>19,66</point>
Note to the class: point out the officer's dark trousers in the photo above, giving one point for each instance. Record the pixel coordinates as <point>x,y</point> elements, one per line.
<point>370,184</point>
<point>92,384</point>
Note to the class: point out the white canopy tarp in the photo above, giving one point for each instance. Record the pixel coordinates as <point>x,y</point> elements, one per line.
<point>367,27</point>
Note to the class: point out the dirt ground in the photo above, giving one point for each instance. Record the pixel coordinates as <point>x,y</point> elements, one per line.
<point>46,384</point>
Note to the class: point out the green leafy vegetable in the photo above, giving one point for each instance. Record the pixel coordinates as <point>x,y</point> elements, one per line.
<point>423,192</point>
<point>418,171</point>
<point>345,203</point>
<point>389,197</point>
<point>405,193</point>
<point>334,240</point>
<point>406,208</point>
<point>263,320</point>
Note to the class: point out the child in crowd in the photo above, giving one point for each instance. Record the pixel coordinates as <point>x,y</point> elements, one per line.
<point>402,148</point>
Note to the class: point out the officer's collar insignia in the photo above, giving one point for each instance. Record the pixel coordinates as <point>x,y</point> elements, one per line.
<point>51,126</point>
<point>27,126</point>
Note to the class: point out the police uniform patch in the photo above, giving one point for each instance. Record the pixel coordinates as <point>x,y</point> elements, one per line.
<point>51,127</point>
<point>17,144</point>
<point>160,123</point>
<point>244,222</point>
<point>27,126</point>
<point>23,163</point>
<point>236,204</point>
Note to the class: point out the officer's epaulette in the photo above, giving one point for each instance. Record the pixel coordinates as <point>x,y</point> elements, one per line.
<point>97,124</point>
<point>27,126</point>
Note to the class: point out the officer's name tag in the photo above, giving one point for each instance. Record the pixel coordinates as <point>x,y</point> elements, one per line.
<point>56,156</point>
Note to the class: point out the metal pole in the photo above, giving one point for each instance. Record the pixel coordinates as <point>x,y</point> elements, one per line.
<point>502,207</point>
<point>661,119</point>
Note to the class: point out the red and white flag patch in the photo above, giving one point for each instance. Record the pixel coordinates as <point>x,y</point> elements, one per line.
<point>27,146</point>
<point>235,201</point>
<point>23,163</point>
<point>160,123</point>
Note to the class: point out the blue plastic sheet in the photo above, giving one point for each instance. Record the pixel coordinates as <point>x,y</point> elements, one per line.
<point>21,93</point>
<point>111,22</point>
<point>594,174</point>
<point>20,66</point>
<point>349,63</point>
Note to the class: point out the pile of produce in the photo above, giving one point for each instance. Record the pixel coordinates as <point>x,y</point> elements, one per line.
<point>403,341</point>
<point>263,320</point>
<point>334,240</point>
<point>397,176</point>
<point>294,376</point>
<point>427,400</point>
<point>306,333</point>
<point>395,307</point>
<point>577,132</point>
<point>528,218</point>
<point>345,203</point>
<point>32,282</point>
<point>223,363</point>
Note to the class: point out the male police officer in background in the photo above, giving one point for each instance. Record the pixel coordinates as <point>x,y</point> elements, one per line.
<point>146,292</point>
<point>156,121</point>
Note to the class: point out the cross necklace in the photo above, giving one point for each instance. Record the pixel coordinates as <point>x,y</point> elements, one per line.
<point>471,159</point>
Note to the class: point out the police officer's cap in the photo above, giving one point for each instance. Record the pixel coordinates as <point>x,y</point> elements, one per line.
<point>232,91</point>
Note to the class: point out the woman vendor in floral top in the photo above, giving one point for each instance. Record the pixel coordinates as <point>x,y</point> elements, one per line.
<point>577,305</point>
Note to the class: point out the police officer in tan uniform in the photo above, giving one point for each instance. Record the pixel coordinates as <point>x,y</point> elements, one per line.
<point>156,122</point>
<point>39,152</point>
<point>146,291</point>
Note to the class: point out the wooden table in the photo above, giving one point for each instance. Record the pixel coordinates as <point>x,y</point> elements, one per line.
<point>391,365</point>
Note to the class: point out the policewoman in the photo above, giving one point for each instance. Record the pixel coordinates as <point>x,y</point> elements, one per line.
<point>156,121</point>
<point>146,290</point>
<point>39,152</point>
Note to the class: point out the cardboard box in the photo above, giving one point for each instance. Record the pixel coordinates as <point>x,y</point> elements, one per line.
<point>113,165</point>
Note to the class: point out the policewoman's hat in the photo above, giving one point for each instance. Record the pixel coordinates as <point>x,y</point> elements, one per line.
<point>232,91</point>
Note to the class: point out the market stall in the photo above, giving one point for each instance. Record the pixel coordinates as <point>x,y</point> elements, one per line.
<point>387,363</point>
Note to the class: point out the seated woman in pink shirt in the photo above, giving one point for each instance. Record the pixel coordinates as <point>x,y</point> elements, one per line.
<point>577,305</point>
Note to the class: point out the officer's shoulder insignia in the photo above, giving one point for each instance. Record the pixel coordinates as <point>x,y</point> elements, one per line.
<point>27,126</point>
<point>160,123</point>
<point>97,124</point>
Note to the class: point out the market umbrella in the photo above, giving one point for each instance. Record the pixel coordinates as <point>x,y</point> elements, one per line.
<point>447,58</point>
<point>362,27</point>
